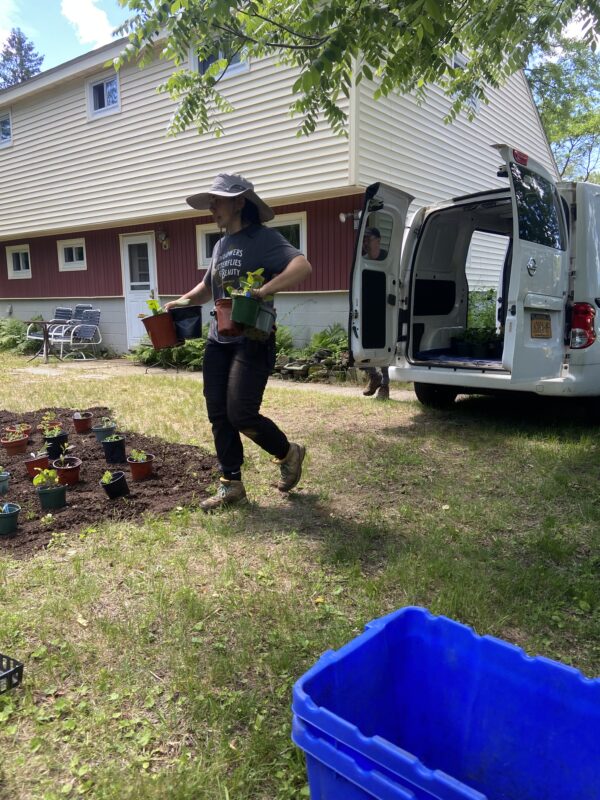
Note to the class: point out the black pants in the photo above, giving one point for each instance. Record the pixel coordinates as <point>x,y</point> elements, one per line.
<point>235,376</point>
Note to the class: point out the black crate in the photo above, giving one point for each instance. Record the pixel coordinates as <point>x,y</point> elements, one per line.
<point>11,673</point>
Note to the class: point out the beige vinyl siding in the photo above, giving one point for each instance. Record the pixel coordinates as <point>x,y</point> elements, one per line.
<point>72,172</point>
<point>409,146</point>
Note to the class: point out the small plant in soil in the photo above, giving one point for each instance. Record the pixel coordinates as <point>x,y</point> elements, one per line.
<point>13,436</point>
<point>82,414</point>
<point>50,433</point>
<point>19,426</point>
<point>46,479</point>
<point>107,477</point>
<point>64,450</point>
<point>138,455</point>
<point>154,307</point>
<point>114,437</point>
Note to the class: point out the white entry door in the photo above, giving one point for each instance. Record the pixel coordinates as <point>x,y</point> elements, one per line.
<point>138,261</point>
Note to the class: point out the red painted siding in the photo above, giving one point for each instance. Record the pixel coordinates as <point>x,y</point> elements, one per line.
<point>330,245</point>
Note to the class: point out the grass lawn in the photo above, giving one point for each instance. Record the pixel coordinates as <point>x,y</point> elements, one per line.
<point>160,656</point>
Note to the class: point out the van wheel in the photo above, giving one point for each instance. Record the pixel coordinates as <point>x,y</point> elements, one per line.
<point>435,396</point>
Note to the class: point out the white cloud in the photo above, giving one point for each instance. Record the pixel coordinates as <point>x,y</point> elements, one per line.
<point>91,23</point>
<point>9,18</point>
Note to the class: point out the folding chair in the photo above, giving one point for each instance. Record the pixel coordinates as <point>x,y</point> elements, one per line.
<point>61,315</point>
<point>82,336</point>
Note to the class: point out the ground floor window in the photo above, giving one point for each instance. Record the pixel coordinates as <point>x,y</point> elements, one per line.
<point>71,254</point>
<point>291,226</point>
<point>18,261</point>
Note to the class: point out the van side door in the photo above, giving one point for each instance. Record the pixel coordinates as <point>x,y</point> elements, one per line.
<point>537,291</point>
<point>374,281</point>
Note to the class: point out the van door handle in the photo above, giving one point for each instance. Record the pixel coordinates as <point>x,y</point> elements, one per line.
<point>391,298</point>
<point>512,310</point>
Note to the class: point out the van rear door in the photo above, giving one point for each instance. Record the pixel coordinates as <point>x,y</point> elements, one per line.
<point>537,289</point>
<point>373,328</point>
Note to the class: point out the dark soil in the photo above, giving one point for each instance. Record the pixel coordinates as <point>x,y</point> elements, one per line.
<point>182,477</point>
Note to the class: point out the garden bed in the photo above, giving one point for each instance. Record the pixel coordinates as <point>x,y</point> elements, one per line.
<point>183,476</point>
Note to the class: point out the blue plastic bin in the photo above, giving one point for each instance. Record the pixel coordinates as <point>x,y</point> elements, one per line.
<point>422,708</point>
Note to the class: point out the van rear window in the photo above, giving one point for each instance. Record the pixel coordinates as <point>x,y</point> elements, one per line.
<point>540,220</point>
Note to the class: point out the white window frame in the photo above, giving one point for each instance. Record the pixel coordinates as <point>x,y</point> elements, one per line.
<point>3,115</point>
<point>296,218</point>
<point>70,266</point>
<point>89,93</point>
<point>21,274</point>
<point>237,68</point>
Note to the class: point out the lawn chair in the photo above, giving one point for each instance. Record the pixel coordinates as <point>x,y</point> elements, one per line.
<point>82,336</point>
<point>60,331</point>
<point>61,315</point>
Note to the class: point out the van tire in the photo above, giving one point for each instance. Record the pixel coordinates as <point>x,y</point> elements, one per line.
<point>434,396</point>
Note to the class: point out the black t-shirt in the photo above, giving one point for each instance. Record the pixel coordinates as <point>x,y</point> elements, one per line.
<point>236,254</point>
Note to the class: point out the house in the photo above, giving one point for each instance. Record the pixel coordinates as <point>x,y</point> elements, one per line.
<point>92,190</point>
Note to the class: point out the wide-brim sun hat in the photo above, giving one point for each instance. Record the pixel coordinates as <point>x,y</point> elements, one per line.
<point>227,185</point>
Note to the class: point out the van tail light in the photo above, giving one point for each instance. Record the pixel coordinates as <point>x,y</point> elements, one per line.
<point>520,158</point>
<point>583,333</point>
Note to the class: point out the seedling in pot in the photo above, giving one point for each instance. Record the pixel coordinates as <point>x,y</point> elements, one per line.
<point>50,433</point>
<point>114,437</point>
<point>64,449</point>
<point>107,477</point>
<point>138,455</point>
<point>46,479</point>
<point>13,436</point>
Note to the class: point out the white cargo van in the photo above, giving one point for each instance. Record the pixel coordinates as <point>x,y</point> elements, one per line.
<point>408,309</point>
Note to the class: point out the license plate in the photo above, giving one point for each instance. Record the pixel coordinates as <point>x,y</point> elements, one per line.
<point>541,327</point>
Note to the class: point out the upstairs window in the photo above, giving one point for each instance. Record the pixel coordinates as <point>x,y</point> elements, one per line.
<point>459,61</point>
<point>103,96</point>
<point>71,255</point>
<point>18,261</point>
<point>5,129</point>
<point>238,63</point>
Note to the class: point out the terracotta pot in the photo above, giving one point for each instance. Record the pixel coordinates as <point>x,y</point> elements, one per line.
<point>15,446</point>
<point>161,331</point>
<point>23,428</point>
<point>32,465</point>
<point>83,421</point>
<point>141,469</point>
<point>68,470</point>
<point>225,324</point>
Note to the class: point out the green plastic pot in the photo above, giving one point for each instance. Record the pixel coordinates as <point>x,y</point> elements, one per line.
<point>244,310</point>
<point>9,519</point>
<point>4,481</point>
<point>52,497</point>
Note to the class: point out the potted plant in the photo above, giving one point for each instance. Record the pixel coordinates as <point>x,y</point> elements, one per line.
<point>141,464</point>
<point>21,427</point>
<point>245,306</point>
<point>48,421</point>
<point>225,325</point>
<point>52,494</point>
<point>14,442</point>
<point>82,420</point>
<point>114,448</point>
<point>4,480</point>
<point>104,428</point>
<point>114,484</point>
<point>37,461</point>
<point>54,439</point>
<point>9,519</point>
<point>159,326</point>
<point>67,467</point>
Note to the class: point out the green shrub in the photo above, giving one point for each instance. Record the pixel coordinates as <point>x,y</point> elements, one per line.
<point>189,355</point>
<point>482,309</point>
<point>284,344</point>
<point>12,337</point>
<point>334,338</point>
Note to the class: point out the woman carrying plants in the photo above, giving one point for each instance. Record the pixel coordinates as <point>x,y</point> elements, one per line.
<point>236,369</point>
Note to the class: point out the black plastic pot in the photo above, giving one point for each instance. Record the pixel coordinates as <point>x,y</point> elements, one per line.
<point>187,321</point>
<point>53,497</point>
<point>114,451</point>
<point>117,487</point>
<point>54,444</point>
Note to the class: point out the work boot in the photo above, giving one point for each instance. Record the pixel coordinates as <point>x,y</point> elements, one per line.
<point>291,467</point>
<point>383,393</point>
<point>373,385</point>
<point>228,493</point>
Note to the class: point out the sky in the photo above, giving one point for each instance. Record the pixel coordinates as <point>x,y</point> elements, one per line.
<point>61,29</point>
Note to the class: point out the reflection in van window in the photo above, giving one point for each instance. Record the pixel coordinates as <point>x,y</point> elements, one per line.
<point>377,237</point>
<point>537,206</point>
